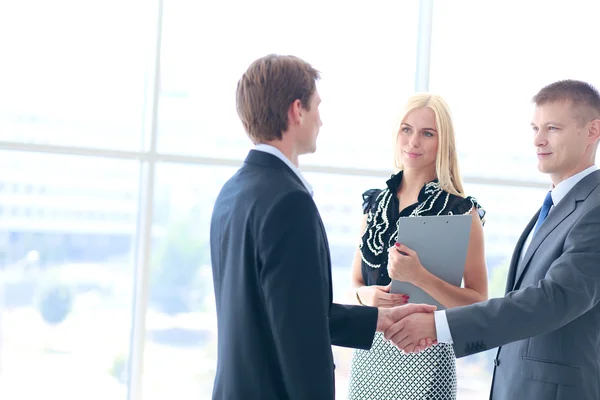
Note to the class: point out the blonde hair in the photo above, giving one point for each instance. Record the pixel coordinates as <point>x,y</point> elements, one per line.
<point>446,163</point>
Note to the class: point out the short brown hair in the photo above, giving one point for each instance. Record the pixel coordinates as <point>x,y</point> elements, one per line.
<point>266,91</point>
<point>580,94</point>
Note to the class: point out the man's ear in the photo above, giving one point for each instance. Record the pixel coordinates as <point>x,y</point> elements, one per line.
<point>295,113</point>
<point>594,130</point>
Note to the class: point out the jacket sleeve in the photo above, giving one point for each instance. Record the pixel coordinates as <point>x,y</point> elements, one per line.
<point>352,326</point>
<point>570,288</point>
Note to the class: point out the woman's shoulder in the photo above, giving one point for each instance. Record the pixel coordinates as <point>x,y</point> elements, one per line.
<point>458,205</point>
<point>371,197</point>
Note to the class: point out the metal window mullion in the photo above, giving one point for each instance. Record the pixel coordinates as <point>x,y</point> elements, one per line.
<point>73,150</point>
<point>228,162</point>
<point>141,279</point>
<point>144,232</point>
<point>424,45</point>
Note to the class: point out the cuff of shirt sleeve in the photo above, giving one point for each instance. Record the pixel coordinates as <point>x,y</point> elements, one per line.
<point>441,327</point>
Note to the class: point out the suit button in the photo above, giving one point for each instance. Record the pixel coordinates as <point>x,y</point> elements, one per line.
<point>496,362</point>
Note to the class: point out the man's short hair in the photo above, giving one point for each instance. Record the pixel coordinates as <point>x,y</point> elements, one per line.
<point>584,97</point>
<point>266,91</point>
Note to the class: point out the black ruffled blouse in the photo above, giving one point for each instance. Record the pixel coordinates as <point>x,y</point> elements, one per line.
<point>382,209</point>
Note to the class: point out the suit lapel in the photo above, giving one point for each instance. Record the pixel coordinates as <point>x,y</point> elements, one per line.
<point>516,257</point>
<point>556,216</point>
<point>324,232</point>
<point>565,208</point>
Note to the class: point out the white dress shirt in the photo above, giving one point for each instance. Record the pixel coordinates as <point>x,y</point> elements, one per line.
<point>558,193</point>
<point>267,148</point>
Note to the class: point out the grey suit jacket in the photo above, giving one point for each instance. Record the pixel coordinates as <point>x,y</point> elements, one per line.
<point>548,324</point>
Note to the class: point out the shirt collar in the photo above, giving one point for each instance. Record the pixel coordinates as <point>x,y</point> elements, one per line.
<point>431,187</point>
<point>267,148</point>
<point>560,191</point>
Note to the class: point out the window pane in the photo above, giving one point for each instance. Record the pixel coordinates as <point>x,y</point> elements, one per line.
<point>180,351</point>
<point>366,56</point>
<point>489,73</point>
<point>66,257</point>
<point>73,72</point>
<point>339,200</point>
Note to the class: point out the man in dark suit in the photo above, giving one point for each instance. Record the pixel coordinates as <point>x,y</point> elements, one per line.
<point>270,256</point>
<point>548,324</point>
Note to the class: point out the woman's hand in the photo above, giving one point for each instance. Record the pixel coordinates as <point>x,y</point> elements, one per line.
<point>380,296</point>
<point>404,264</point>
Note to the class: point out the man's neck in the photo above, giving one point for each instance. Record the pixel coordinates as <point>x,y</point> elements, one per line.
<point>558,178</point>
<point>286,149</point>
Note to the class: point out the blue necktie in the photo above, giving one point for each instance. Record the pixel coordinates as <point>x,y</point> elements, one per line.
<point>544,211</point>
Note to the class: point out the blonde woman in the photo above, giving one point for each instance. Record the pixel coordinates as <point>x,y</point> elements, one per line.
<point>428,183</point>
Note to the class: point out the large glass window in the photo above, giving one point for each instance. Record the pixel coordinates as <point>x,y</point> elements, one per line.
<point>66,284</point>
<point>74,72</point>
<point>181,326</point>
<point>488,74</point>
<point>79,75</point>
<point>366,56</point>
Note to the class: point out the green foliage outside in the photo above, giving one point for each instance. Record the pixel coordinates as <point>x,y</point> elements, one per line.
<point>118,369</point>
<point>497,281</point>
<point>54,303</point>
<point>175,284</point>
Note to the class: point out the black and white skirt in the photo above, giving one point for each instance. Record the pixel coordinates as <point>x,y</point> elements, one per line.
<point>385,373</point>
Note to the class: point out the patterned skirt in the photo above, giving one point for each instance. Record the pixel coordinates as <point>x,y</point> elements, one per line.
<point>385,373</point>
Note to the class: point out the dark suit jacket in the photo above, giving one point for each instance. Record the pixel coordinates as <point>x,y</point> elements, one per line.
<point>548,324</point>
<point>272,278</point>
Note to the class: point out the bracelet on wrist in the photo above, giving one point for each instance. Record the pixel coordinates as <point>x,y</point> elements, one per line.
<point>358,297</point>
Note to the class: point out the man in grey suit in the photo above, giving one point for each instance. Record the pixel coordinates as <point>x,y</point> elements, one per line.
<point>547,327</point>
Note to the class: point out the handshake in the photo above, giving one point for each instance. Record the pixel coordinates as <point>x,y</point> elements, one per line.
<point>410,327</point>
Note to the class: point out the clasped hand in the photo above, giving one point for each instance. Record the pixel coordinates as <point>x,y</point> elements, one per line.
<point>411,328</point>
